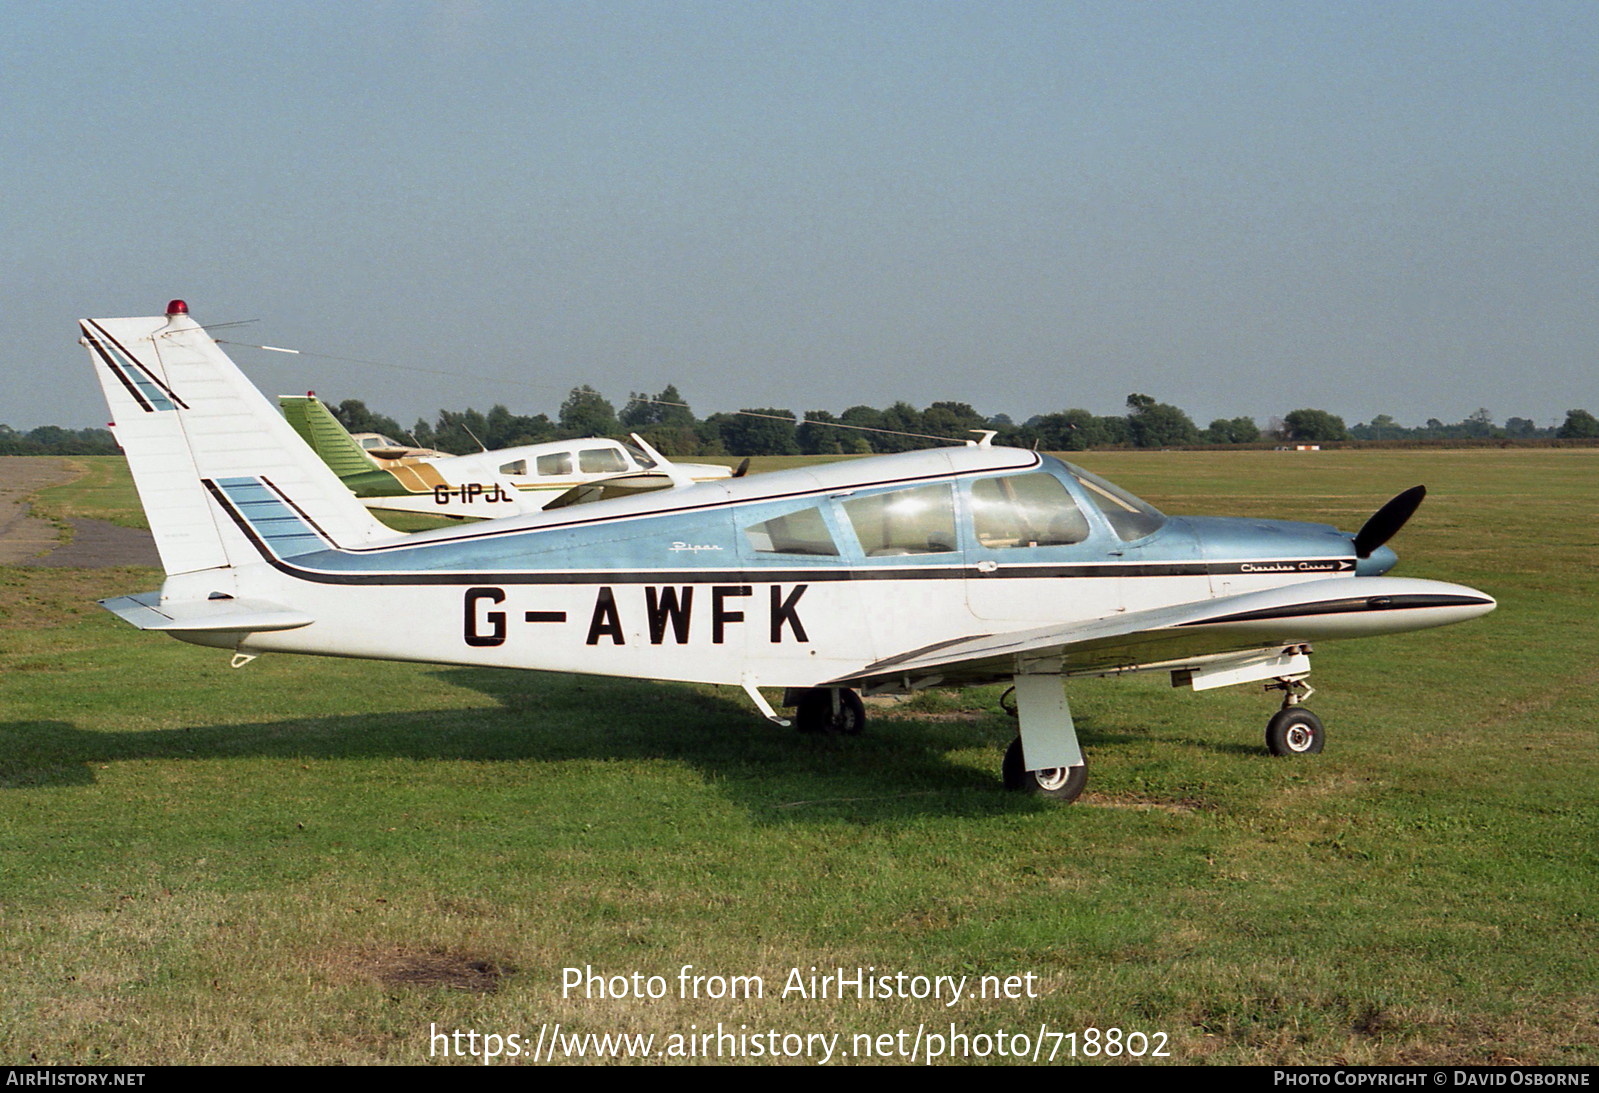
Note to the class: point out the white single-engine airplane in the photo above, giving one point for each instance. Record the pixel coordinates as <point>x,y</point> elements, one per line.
<point>487,484</point>
<point>885,575</point>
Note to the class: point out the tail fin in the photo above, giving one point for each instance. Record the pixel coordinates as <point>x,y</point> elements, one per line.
<point>327,437</point>
<point>192,425</point>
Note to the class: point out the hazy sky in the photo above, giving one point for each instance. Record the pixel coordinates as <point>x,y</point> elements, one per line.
<point>1238,208</point>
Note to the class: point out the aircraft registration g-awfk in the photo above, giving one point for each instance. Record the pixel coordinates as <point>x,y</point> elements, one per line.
<point>884,575</point>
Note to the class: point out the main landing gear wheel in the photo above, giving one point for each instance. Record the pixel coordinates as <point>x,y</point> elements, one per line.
<point>1064,784</point>
<point>1295,731</point>
<point>814,711</point>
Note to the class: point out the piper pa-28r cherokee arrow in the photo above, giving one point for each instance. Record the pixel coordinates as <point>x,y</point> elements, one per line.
<point>885,575</point>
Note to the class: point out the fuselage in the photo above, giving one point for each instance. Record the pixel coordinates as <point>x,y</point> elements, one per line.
<point>507,481</point>
<point>784,579</point>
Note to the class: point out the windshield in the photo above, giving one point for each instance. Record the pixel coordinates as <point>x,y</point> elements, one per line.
<point>1130,517</point>
<point>638,455</point>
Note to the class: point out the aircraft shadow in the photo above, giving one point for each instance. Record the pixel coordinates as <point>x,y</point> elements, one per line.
<point>900,767</point>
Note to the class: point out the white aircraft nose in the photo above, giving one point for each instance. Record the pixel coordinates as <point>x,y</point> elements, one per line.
<point>1462,603</point>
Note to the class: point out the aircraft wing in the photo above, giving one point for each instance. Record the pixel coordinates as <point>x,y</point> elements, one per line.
<point>620,485</point>
<point>1183,634</point>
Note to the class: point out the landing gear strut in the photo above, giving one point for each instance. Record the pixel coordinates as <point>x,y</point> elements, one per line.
<point>1045,757</point>
<point>1294,730</point>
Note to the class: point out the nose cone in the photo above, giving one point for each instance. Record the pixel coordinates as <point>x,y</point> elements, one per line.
<point>1379,562</point>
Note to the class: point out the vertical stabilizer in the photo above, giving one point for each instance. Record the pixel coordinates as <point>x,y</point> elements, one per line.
<point>327,437</point>
<point>188,419</point>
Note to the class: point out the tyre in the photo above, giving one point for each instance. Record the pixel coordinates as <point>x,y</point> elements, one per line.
<point>1064,784</point>
<point>814,712</point>
<point>1295,731</point>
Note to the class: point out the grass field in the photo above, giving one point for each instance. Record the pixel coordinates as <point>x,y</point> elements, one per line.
<point>318,861</point>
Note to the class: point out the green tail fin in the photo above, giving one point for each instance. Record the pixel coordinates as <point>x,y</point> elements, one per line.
<point>322,431</point>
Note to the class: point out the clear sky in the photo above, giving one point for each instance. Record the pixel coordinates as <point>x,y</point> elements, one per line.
<point>1239,208</point>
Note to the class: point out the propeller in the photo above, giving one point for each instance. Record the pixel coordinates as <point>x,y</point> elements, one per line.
<point>744,468</point>
<point>1386,521</point>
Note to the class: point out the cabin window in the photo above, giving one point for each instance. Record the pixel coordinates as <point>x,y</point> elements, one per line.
<point>913,521</point>
<point>1130,518</point>
<point>601,461</point>
<point>518,467</point>
<point>802,532</point>
<point>1029,510</point>
<point>556,463</point>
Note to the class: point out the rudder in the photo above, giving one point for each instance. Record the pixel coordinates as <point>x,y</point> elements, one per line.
<point>186,417</point>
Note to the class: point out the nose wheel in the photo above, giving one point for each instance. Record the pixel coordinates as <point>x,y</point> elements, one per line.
<point>1295,731</point>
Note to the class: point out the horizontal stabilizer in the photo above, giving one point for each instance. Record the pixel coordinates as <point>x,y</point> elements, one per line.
<point>147,611</point>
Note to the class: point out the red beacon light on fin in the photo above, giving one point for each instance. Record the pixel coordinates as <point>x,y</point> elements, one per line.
<point>177,307</point>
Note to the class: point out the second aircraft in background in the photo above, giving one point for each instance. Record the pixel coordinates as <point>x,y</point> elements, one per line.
<point>489,483</point>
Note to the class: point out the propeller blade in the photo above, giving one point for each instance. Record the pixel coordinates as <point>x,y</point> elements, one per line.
<point>1386,521</point>
<point>743,468</point>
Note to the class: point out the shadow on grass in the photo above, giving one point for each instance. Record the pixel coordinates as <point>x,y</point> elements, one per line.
<point>898,768</point>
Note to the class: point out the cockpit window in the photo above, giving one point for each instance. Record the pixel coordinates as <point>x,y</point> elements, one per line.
<point>1029,510</point>
<point>920,520</point>
<point>1129,517</point>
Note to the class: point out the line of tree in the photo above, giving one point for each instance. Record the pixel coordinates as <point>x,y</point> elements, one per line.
<point>54,440</point>
<point>667,422</point>
<point>1579,425</point>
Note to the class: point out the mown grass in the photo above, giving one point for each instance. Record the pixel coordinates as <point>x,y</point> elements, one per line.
<point>103,490</point>
<point>206,865</point>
